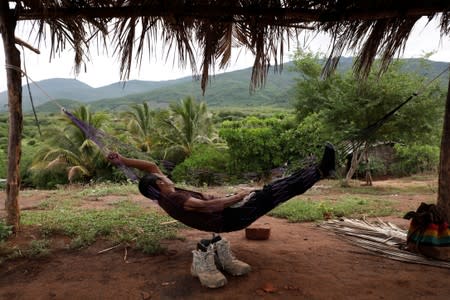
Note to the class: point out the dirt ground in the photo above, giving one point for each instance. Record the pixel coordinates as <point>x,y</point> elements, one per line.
<point>298,261</point>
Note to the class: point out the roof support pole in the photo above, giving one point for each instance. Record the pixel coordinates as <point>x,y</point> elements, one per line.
<point>444,165</point>
<point>14,83</point>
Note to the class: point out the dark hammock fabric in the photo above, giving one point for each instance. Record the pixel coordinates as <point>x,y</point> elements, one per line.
<point>237,218</point>
<point>269,197</point>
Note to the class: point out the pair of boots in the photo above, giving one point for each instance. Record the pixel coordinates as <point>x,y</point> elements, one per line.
<point>211,255</point>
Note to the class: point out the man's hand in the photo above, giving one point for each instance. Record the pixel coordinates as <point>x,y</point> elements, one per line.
<point>115,158</point>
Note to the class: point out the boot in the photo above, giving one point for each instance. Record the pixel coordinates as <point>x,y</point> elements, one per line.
<point>204,243</point>
<point>204,267</point>
<point>327,166</point>
<point>226,260</point>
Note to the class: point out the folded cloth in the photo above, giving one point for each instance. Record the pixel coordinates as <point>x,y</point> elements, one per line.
<point>243,201</point>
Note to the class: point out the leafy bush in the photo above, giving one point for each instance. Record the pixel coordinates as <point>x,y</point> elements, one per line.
<point>28,154</point>
<point>206,165</point>
<point>376,166</point>
<point>48,178</point>
<point>413,159</point>
<point>306,138</point>
<point>254,144</point>
<point>3,164</point>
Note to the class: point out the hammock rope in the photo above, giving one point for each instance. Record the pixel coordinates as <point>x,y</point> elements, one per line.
<point>29,93</point>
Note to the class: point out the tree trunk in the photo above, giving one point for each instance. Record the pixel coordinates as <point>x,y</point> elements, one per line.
<point>356,159</point>
<point>14,83</point>
<point>368,171</point>
<point>444,166</point>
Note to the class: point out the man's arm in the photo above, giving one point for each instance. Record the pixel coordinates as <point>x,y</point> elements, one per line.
<point>213,205</point>
<point>143,165</point>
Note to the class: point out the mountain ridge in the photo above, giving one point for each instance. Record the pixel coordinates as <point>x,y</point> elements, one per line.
<point>225,89</point>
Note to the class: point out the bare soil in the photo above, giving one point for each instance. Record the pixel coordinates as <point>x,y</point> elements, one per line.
<point>298,261</point>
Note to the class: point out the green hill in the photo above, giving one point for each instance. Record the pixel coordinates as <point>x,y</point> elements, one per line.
<point>228,89</point>
<point>231,89</point>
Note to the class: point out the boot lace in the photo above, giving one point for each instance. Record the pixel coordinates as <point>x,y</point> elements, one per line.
<point>209,262</point>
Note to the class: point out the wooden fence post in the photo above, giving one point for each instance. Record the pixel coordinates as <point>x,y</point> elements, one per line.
<point>14,83</point>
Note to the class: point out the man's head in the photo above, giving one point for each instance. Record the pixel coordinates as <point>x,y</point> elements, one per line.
<point>154,185</point>
<point>148,186</point>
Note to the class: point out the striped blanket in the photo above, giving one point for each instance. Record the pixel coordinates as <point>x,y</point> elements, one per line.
<point>429,232</point>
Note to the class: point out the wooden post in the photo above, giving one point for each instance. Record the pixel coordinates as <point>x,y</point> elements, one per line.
<point>14,83</point>
<point>444,165</point>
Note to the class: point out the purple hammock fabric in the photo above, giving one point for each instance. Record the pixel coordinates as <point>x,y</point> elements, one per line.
<point>98,136</point>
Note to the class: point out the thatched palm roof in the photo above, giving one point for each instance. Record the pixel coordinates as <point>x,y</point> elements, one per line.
<point>213,28</point>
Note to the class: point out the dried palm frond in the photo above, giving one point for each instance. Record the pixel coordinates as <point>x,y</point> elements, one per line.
<point>381,238</point>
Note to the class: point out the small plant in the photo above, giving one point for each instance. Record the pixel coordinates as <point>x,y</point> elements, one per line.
<point>38,248</point>
<point>149,246</point>
<point>5,230</point>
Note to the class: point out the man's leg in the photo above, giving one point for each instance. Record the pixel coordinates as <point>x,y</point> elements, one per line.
<point>279,191</point>
<point>327,165</point>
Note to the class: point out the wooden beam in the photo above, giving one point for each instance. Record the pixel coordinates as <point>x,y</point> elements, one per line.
<point>26,45</point>
<point>14,83</point>
<point>236,14</point>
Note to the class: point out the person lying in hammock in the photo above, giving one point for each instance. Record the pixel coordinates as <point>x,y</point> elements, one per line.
<point>222,214</point>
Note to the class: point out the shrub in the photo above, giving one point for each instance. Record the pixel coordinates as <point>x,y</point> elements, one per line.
<point>376,166</point>
<point>28,153</point>
<point>413,159</point>
<point>254,144</point>
<point>3,164</point>
<point>48,179</point>
<point>206,165</point>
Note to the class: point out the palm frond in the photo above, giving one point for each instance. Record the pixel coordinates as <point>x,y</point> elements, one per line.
<point>265,28</point>
<point>76,171</point>
<point>381,238</point>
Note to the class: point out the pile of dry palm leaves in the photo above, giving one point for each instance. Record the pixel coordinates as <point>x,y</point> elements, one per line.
<point>381,238</point>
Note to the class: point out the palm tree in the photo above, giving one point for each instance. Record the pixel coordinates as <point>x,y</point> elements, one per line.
<point>141,126</point>
<point>189,123</point>
<point>69,148</point>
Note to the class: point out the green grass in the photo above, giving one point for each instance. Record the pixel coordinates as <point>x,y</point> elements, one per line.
<point>410,190</point>
<point>62,213</point>
<point>105,189</point>
<point>126,222</point>
<point>307,210</point>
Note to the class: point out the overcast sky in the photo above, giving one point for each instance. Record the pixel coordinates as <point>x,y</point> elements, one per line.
<point>103,70</point>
